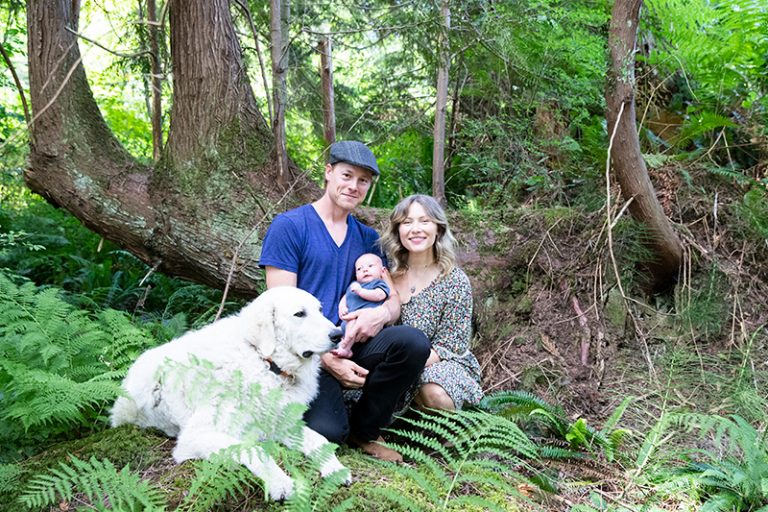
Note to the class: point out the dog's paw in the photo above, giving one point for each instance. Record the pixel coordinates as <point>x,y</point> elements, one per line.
<point>280,489</point>
<point>332,466</point>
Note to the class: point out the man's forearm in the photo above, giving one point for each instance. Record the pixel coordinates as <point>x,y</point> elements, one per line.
<point>392,306</point>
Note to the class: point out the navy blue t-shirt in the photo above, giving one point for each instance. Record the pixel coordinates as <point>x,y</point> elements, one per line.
<point>299,242</point>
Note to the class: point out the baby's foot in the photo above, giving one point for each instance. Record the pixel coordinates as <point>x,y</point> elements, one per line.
<point>342,352</point>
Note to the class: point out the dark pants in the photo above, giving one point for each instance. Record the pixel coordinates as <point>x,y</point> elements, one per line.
<point>395,358</point>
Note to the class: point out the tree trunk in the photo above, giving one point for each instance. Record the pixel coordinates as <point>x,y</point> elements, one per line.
<point>215,182</point>
<point>438,153</point>
<point>628,162</point>
<point>155,81</point>
<point>278,29</point>
<point>326,78</point>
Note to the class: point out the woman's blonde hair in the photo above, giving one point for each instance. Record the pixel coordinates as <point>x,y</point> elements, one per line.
<point>443,250</point>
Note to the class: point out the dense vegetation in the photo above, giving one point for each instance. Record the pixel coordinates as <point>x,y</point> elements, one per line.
<point>677,419</point>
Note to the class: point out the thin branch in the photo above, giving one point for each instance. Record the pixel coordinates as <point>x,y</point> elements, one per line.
<point>609,223</point>
<point>113,52</point>
<point>255,32</point>
<point>16,80</point>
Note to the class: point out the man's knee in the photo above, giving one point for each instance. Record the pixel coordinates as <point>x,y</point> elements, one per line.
<point>412,341</point>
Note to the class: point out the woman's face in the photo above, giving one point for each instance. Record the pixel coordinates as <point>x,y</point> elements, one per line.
<point>417,231</point>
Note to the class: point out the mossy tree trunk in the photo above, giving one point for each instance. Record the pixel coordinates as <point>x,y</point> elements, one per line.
<point>628,162</point>
<point>216,180</point>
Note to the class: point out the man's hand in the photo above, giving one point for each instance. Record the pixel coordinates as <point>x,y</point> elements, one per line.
<point>347,372</point>
<point>368,323</point>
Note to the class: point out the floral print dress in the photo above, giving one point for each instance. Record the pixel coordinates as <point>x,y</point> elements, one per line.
<point>443,311</point>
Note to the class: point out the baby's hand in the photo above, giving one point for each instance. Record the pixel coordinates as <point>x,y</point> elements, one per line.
<point>355,287</point>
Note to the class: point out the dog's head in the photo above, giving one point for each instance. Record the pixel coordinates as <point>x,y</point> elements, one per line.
<point>288,326</point>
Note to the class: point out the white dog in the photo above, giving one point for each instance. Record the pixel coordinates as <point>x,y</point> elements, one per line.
<point>275,342</point>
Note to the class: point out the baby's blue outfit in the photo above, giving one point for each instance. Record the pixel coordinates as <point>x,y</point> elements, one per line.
<point>355,302</point>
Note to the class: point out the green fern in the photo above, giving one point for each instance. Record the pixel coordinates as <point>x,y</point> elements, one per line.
<point>550,420</point>
<point>105,487</point>
<point>457,451</point>
<point>215,480</point>
<point>734,477</point>
<point>59,367</point>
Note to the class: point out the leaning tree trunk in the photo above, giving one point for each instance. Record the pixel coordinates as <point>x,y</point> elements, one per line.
<point>628,162</point>
<point>197,210</point>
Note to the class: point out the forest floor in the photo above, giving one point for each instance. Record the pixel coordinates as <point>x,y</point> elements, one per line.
<point>552,320</point>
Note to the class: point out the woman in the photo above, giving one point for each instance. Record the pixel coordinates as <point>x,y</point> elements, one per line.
<point>436,298</point>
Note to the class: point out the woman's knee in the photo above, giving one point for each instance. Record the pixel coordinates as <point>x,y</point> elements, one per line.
<point>433,396</point>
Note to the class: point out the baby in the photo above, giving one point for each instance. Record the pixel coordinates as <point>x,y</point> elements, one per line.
<point>368,291</point>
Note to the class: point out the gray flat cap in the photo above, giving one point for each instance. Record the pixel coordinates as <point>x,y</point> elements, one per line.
<point>354,153</point>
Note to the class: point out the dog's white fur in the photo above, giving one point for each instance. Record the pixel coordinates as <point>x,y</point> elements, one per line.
<point>284,324</point>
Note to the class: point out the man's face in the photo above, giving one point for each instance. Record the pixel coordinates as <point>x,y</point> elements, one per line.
<point>347,185</point>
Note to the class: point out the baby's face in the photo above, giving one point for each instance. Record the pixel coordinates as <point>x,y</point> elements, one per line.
<point>368,268</point>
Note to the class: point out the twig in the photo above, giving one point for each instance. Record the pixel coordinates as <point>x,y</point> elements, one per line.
<point>113,52</point>
<point>16,80</point>
<point>646,351</point>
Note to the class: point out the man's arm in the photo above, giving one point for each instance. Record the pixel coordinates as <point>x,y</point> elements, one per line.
<point>350,374</point>
<point>279,277</point>
<point>370,321</point>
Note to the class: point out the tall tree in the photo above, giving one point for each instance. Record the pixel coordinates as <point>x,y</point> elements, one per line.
<point>326,80</point>
<point>194,213</point>
<point>155,82</point>
<point>628,162</point>
<point>438,153</point>
<point>279,34</point>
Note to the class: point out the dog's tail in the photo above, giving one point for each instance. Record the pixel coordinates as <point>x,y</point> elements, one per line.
<point>124,411</point>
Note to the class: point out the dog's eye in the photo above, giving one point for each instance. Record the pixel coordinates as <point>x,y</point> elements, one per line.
<point>307,354</point>
<point>300,314</point>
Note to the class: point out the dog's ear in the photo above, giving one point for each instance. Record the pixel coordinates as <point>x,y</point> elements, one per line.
<point>263,337</point>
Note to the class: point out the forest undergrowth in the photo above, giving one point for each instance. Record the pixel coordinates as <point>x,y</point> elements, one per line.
<point>600,397</point>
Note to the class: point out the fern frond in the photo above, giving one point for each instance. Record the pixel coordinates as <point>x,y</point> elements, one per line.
<point>99,481</point>
<point>214,480</point>
<point>458,451</point>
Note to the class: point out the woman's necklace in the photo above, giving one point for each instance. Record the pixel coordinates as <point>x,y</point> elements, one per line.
<point>425,271</point>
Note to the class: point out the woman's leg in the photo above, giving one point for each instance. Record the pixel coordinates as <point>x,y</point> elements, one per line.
<point>433,396</point>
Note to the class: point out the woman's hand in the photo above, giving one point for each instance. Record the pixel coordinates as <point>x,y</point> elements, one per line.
<point>432,359</point>
<point>347,372</point>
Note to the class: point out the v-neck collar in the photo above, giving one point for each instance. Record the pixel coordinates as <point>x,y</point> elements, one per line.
<point>328,235</point>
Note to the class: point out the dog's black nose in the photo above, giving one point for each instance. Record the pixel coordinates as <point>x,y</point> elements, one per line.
<point>335,336</point>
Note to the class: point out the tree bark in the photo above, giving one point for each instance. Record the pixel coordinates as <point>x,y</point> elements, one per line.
<point>278,27</point>
<point>326,78</point>
<point>628,162</point>
<point>438,153</point>
<point>156,82</point>
<point>197,209</point>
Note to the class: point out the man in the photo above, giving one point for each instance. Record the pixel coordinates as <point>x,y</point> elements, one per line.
<point>315,247</point>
